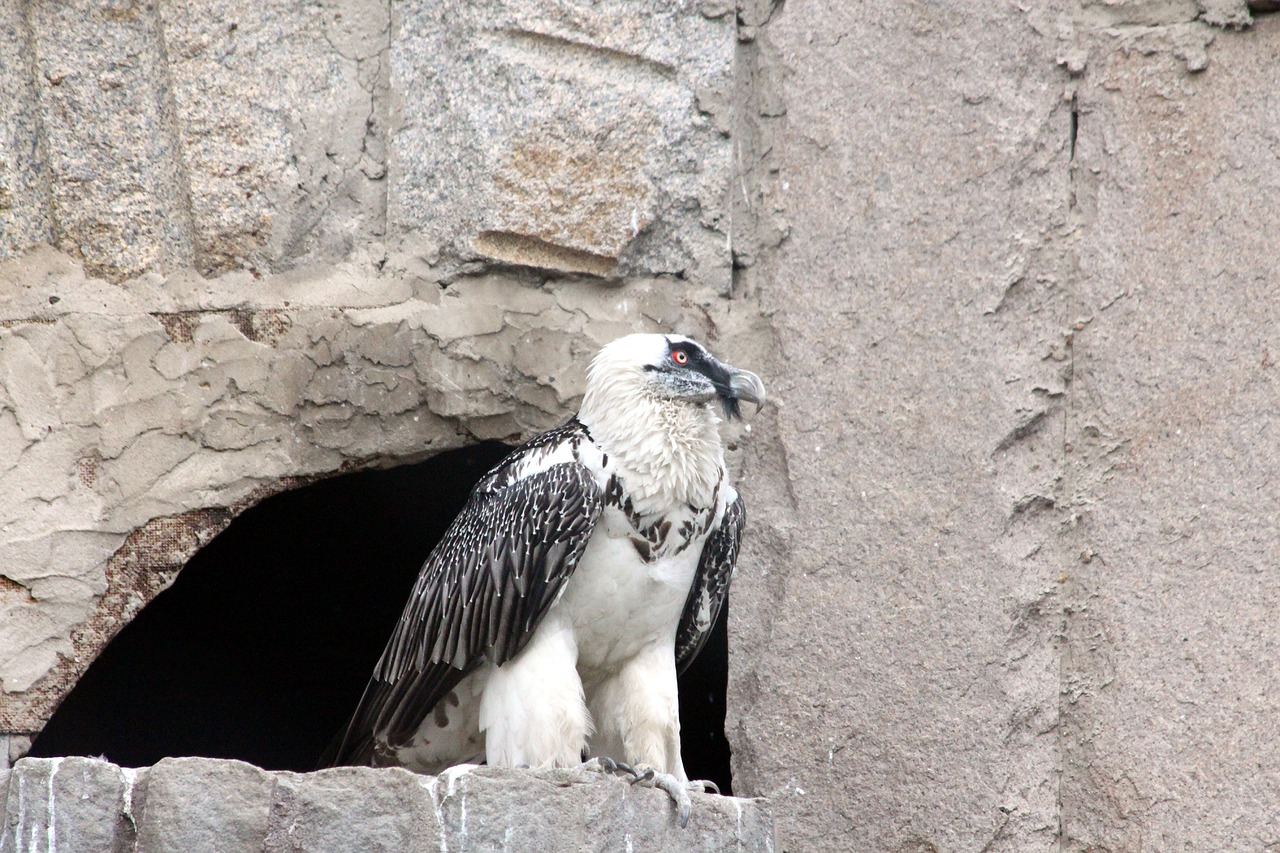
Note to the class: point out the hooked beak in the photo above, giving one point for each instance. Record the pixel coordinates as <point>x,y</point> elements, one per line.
<point>747,386</point>
<point>742,385</point>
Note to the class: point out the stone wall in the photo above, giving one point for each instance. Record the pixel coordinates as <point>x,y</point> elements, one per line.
<point>190,804</point>
<point>254,245</point>
<point>1012,567</point>
<point>1018,575</point>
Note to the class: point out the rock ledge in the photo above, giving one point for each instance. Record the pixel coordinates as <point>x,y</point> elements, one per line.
<point>195,804</point>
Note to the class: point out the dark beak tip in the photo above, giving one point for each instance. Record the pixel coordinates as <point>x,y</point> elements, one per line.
<point>747,386</point>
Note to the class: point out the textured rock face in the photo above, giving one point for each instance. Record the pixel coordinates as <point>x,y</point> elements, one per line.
<point>147,137</point>
<point>574,140</point>
<point>893,593</point>
<point>188,804</point>
<point>1172,729</point>
<point>1014,586</point>
<point>142,137</point>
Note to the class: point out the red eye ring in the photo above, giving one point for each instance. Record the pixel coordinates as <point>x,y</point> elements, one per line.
<point>680,357</point>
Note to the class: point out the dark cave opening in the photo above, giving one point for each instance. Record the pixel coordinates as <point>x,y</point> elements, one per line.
<point>261,648</point>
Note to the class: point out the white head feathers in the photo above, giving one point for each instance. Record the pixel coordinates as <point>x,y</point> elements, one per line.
<point>668,446</point>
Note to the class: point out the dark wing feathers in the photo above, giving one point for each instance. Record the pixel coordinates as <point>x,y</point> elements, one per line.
<point>710,584</point>
<point>481,593</point>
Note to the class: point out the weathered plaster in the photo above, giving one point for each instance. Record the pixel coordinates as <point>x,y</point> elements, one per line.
<point>136,421</point>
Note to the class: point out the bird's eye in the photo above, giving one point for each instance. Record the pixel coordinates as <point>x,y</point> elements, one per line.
<point>680,357</point>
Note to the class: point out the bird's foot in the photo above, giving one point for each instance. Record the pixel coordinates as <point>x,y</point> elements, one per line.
<point>703,786</point>
<point>602,764</point>
<point>676,789</point>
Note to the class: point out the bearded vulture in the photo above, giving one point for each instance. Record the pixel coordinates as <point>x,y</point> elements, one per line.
<point>585,571</point>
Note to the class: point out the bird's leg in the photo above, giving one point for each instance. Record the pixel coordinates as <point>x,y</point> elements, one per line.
<point>637,714</point>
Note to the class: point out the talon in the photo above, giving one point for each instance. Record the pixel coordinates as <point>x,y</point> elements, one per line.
<point>677,790</point>
<point>619,767</point>
<point>608,765</point>
<point>647,776</point>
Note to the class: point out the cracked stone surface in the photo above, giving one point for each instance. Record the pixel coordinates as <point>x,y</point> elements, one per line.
<point>207,804</point>
<point>136,422</point>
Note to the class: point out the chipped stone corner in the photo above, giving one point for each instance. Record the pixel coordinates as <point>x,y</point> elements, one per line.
<point>12,748</point>
<point>1184,30</point>
<point>1227,14</point>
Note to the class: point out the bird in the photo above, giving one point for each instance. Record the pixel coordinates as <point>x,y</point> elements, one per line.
<point>584,573</point>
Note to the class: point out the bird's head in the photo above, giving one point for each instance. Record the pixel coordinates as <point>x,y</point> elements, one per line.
<point>674,368</point>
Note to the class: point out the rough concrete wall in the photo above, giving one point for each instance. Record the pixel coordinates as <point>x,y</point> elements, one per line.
<point>924,168</point>
<point>190,804</point>
<point>1017,578</point>
<point>1173,735</point>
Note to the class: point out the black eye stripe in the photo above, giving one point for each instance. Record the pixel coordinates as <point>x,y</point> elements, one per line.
<point>695,357</point>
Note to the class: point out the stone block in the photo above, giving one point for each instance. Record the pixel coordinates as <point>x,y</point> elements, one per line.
<point>565,138</point>
<point>275,106</point>
<point>353,808</point>
<point>203,804</point>
<point>194,804</point>
<point>117,194</point>
<point>24,196</point>
<point>67,803</point>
